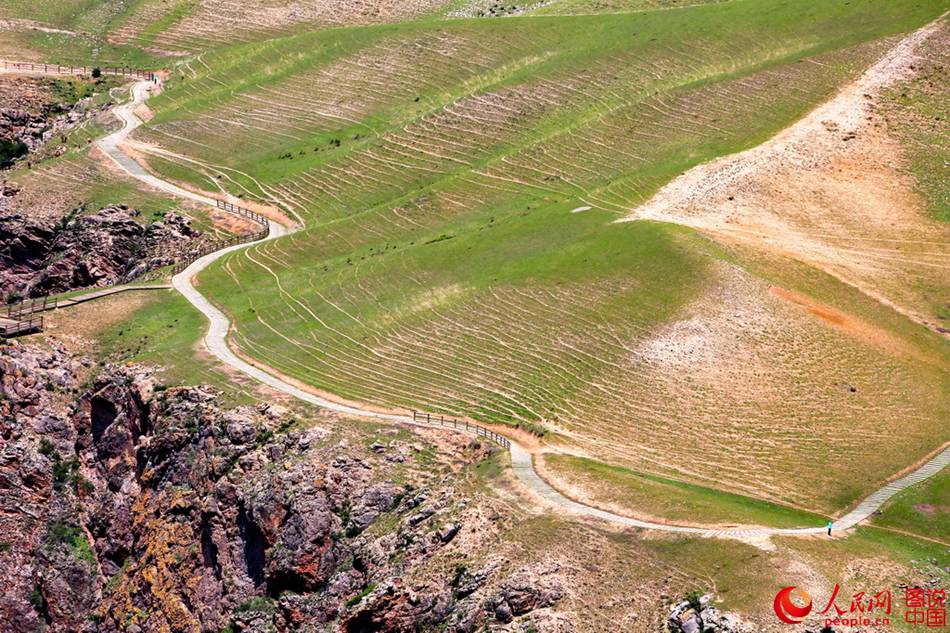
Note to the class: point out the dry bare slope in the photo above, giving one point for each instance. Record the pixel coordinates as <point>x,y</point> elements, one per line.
<point>829,191</point>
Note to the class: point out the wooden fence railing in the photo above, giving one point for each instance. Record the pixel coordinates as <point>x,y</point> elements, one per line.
<point>32,323</point>
<point>57,69</point>
<point>242,211</point>
<point>209,247</point>
<point>26,307</point>
<point>461,425</point>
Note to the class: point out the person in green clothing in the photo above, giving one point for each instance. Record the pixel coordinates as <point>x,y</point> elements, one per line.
<point>830,523</point>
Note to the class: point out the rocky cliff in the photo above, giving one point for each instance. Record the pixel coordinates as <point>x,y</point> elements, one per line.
<point>128,506</point>
<point>41,255</point>
<point>34,110</point>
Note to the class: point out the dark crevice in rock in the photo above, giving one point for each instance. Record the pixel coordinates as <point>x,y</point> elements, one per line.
<point>103,414</point>
<point>254,546</point>
<point>286,580</point>
<point>41,606</point>
<point>209,551</point>
<point>364,622</point>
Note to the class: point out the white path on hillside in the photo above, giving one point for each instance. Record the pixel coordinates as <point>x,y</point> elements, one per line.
<point>111,146</point>
<point>216,340</point>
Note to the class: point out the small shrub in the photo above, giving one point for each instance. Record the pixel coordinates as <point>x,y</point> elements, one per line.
<point>96,72</point>
<point>460,570</point>
<point>62,471</point>
<point>61,532</point>
<point>365,592</point>
<point>10,150</point>
<point>83,486</point>
<point>36,599</point>
<point>440,238</point>
<point>260,604</point>
<point>46,448</point>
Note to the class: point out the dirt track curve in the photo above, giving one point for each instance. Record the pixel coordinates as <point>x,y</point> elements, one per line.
<point>521,459</point>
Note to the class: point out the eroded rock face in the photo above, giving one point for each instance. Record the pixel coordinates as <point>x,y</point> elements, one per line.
<point>40,256</point>
<point>33,111</point>
<point>125,505</point>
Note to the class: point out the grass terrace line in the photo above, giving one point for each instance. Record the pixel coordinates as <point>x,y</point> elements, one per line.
<point>435,167</point>
<point>216,342</point>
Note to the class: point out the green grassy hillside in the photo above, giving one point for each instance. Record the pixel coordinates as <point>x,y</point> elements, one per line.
<point>922,509</point>
<point>457,182</point>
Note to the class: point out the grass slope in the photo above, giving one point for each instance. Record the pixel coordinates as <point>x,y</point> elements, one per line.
<point>165,332</point>
<point>436,166</point>
<point>922,509</point>
<point>640,494</point>
<point>79,32</point>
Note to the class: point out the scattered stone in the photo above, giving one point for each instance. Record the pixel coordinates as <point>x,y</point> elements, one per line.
<point>700,616</point>
<point>449,533</point>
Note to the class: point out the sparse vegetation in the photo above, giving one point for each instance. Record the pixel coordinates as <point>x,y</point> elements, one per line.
<point>257,604</point>
<point>362,594</point>
<point>75,538</point>
<point>923,509</point>
<point>652,496</point>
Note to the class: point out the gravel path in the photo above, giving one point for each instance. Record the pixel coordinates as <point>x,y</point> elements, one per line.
<point>521,459</point>
<point>110,145</point>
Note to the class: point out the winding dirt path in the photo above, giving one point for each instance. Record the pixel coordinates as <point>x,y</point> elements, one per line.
<point>216,340</point>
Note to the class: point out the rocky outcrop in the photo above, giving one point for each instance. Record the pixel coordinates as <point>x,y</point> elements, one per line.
<point>699,615</point>
<point>129,506</point>
<point>40,256</point>
<point>50,572</point>
<point>34,110</point>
